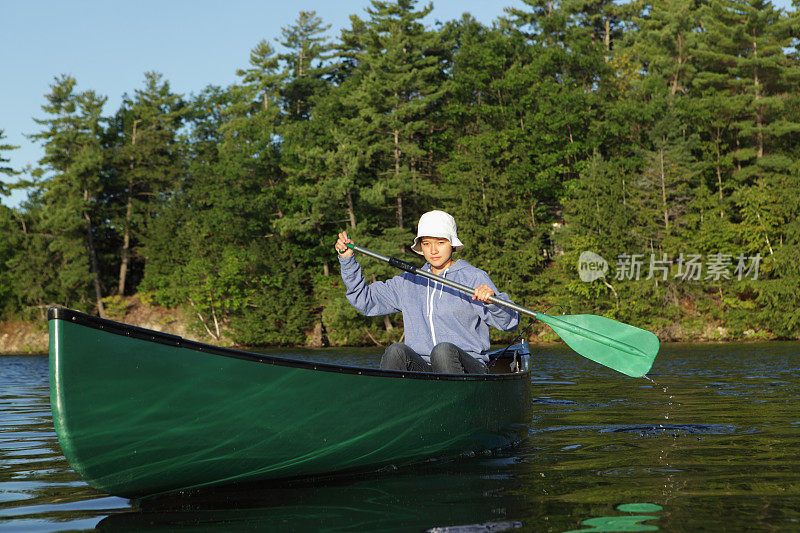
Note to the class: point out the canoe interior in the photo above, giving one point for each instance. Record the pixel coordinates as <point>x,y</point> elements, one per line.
<point>140,413</point>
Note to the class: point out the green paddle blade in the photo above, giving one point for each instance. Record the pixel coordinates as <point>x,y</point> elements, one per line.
<point>624,348</point>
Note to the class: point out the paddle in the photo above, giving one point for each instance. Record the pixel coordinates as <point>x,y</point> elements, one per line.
<point>626,349</point>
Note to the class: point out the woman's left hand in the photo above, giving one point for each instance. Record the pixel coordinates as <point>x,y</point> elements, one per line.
<point>483,293</point>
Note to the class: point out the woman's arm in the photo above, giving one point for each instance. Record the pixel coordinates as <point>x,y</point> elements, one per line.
<point>379,298</point>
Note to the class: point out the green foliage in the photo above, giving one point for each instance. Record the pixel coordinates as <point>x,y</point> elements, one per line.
<point>8,171</point>
<point>306,64</point>
<point>664,129</point>
<point>8,236</point>
<point>147,164</point>
<point>69,197</point>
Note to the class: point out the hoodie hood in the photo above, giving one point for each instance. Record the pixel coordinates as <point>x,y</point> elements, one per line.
<point>458,266</point>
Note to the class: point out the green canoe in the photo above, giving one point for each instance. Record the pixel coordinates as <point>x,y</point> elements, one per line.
<point>139,412</point>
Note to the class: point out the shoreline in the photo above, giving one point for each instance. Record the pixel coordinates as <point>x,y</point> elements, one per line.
<point>32,337</point>
<point>35,352</point>
<point>20,337</point>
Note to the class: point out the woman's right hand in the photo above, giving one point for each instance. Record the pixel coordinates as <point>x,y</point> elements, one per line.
<point>341,245</point>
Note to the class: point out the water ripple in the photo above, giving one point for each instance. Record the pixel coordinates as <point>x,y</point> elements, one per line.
<point>714,435</point>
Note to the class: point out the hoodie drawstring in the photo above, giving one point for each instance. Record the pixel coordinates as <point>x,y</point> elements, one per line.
<point>429,296</point>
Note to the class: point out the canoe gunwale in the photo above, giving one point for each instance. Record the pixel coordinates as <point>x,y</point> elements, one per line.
<point>126,330</point>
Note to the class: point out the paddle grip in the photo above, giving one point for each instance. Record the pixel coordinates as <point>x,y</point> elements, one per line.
<point>393,261</point>
<point>402,265</point>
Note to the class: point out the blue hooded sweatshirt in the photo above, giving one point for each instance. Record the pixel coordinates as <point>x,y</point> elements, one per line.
<point>432,312</point>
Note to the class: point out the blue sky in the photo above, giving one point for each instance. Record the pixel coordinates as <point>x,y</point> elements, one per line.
<point>109,45</point>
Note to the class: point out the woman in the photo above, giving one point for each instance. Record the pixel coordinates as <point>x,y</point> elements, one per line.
<point>445,330</point>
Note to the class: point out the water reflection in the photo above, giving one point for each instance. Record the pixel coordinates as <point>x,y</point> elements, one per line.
<point>623,523</point>
<point>436,496</point>
<point>727,449</point>
<point>39,491</point>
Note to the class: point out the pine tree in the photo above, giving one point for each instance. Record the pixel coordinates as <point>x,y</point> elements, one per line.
<point>396,90</point>
<point>305,64</point>
<point>33,282</point>
<point>666,47</point>
<point>661,192</point>
<point>8,233</point>
<point>487,173</point>
<point>306,133</point>
<point>263,73</point>
<point>529,99</point>
<point>224,211</point>
<point>743,58</point>
<point>164,242</point>
<point>73,143</point>
<point>666,42</point>
<point>148,162</point>
<point>324,171</point>
<point>8,243</point>
<point>364,158</point>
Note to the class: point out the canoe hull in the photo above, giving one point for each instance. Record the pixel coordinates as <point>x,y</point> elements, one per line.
<point>138,416</point>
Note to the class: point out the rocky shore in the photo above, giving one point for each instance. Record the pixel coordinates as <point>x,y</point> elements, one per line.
<point>31,337</point>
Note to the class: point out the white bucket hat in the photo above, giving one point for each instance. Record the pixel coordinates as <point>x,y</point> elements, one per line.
<point>436,224</point>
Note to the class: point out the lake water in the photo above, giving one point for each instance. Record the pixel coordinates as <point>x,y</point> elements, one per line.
<point>711,442</point>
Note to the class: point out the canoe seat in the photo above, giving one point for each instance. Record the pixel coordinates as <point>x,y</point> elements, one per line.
<point>515,358</point>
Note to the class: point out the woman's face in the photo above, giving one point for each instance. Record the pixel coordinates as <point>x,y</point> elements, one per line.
<point>437,251</point>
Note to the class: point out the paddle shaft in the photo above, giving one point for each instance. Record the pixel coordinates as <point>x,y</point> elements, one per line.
<point>408,267</point>
<point>547,319</point>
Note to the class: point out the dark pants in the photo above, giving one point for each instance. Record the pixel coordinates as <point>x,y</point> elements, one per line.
<point>446,358</point>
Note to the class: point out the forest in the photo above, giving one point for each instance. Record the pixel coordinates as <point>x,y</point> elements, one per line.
<point>639,161</point>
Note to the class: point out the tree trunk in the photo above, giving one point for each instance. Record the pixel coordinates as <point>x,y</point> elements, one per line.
<point>397,178</point>
<point>719,182</point>
<point>624,196</point>
<point>351,211</point>
<point>126,238</point>
<point>766,233</point>
<point>203,321</point>
<point>317,338</point>
<point>759,134</point>
<point>483,194</point>
<point>663,189</point>
<point>759,115</point>
<point>126,244</point>
<point>93,257</point>
<point>738,147</point>
<point>301,57</point>
<point>216,322</point>
<point>400,211</point>
<point>676,76</point>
